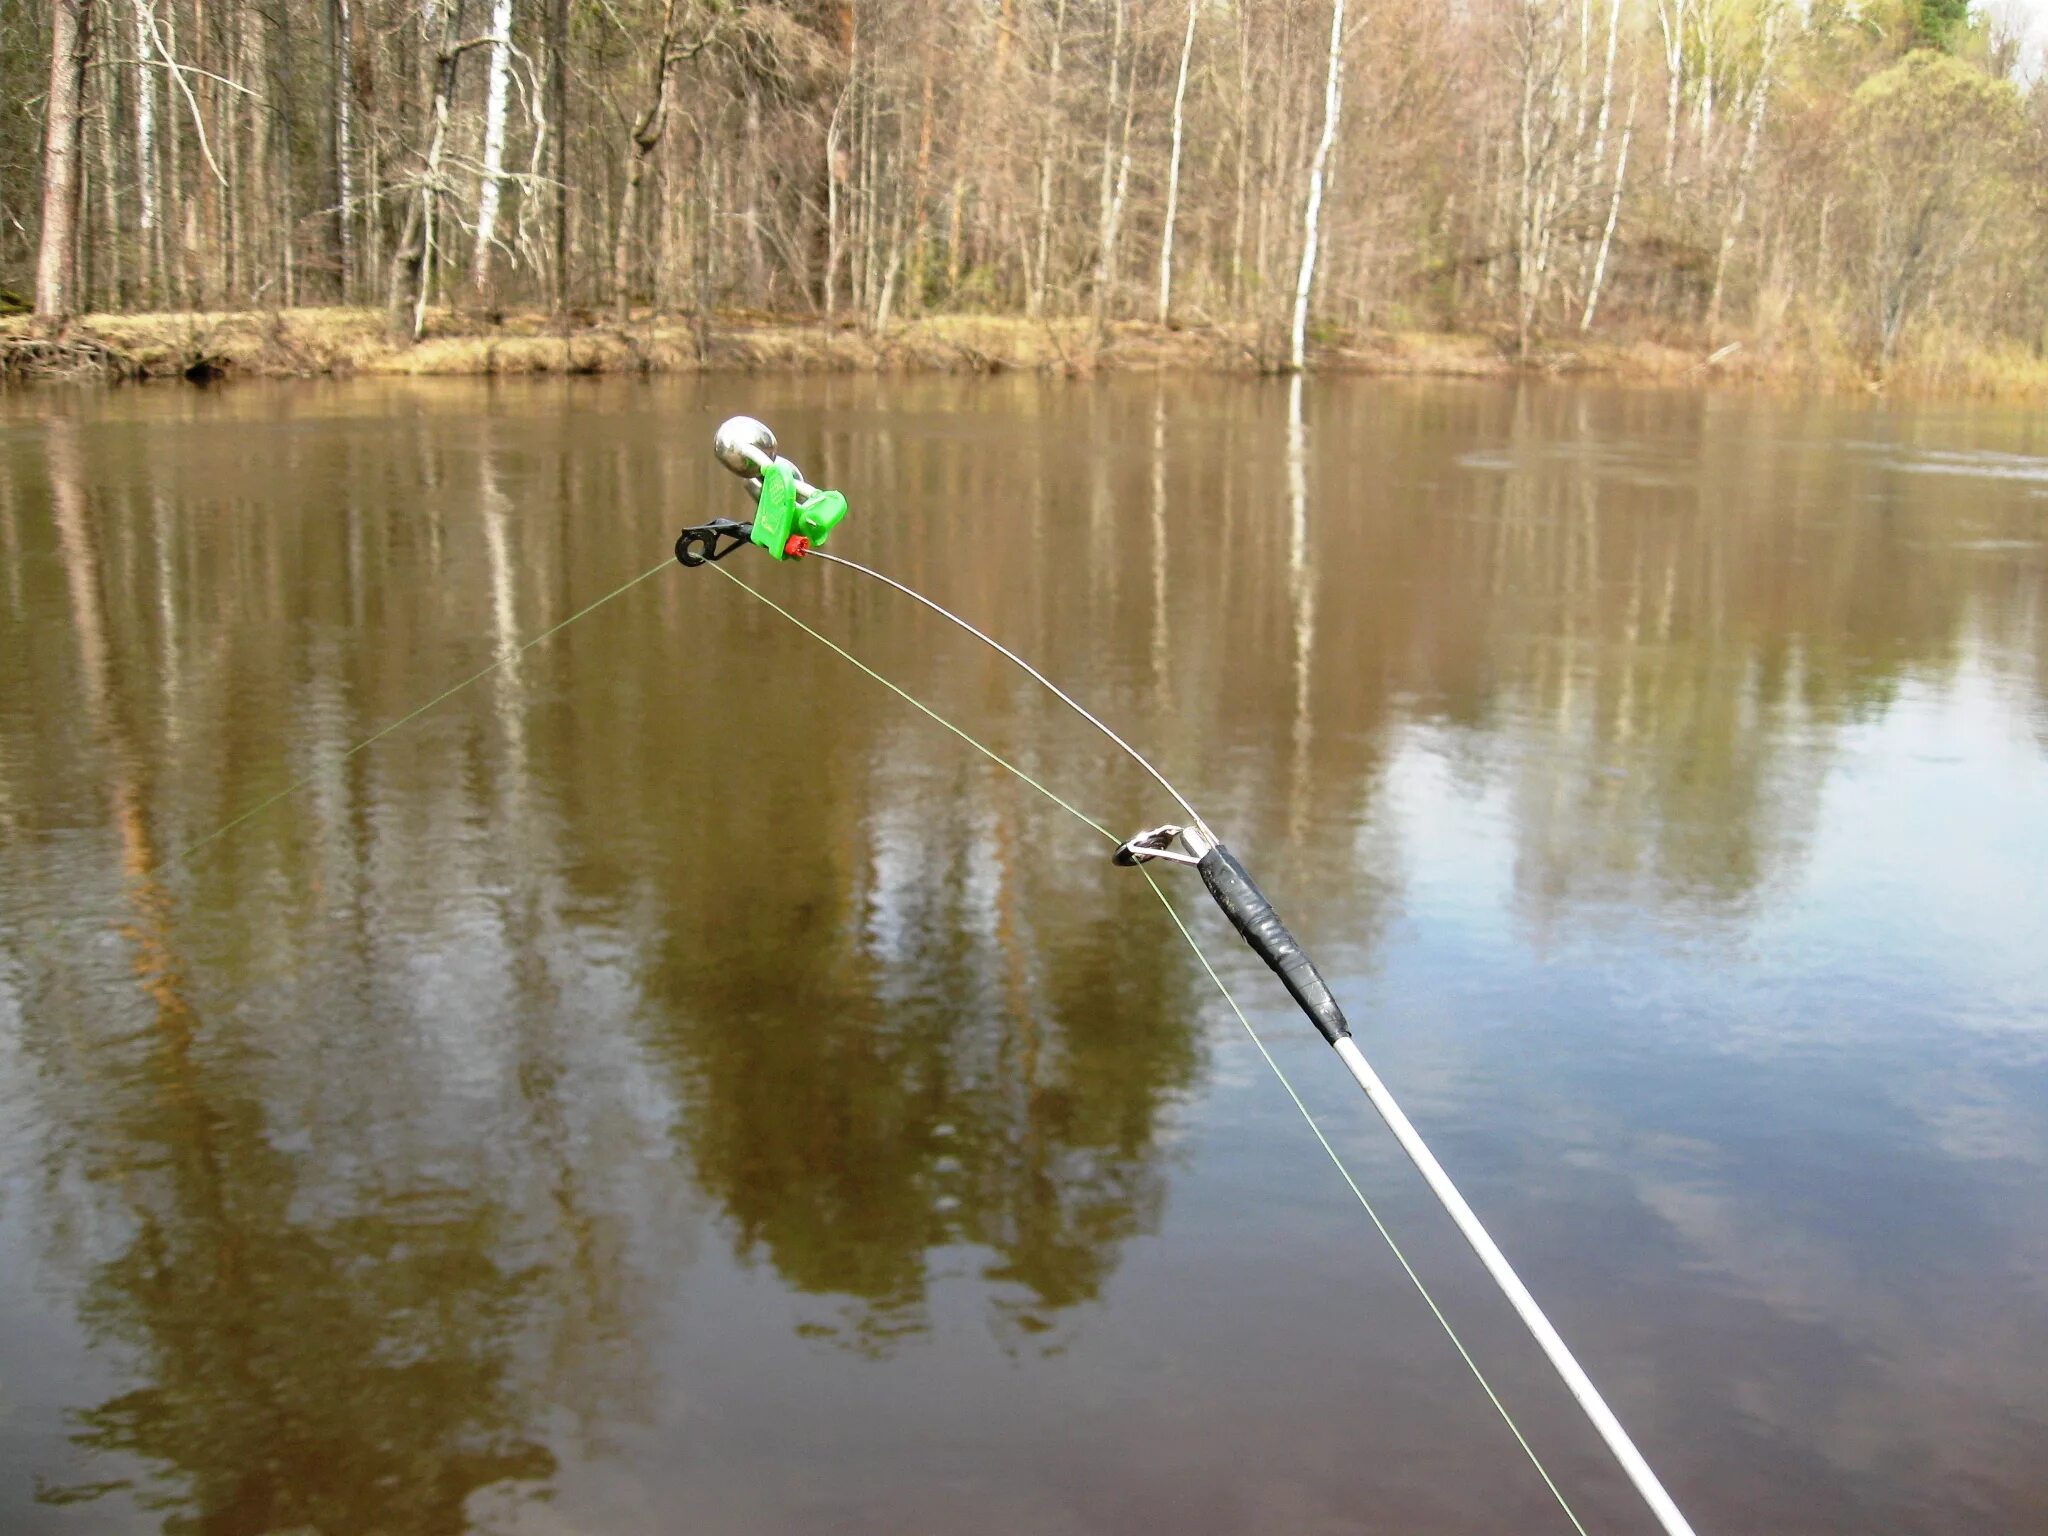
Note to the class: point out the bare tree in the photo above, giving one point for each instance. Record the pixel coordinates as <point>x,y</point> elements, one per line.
<point>491,181</point>
<point>1599,273</point>
<point>670,50</point>
<point>1540,46</point>
<point>1673,16</point>
<point>558,162</point>
<point>1116,165</point>
<point>1180,97</point>
<point>1312,211</point>
<point>339,20</point>
<point>1039,275</point>
<point>63,157</point>
<point>147,242</point>
<point>417,243</point>
<point>1478,166</point>
<point>1759,98</point>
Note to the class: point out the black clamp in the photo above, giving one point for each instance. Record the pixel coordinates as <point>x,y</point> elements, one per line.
<point>696,545</point>
<point>1158,844</point>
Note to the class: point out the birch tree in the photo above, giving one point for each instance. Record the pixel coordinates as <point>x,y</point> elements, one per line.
<point>63,157</point>
<point>344,145</point>
<point>1673,17</point>
<point>1479,166</point>
<point>1759,99</point>
<point>1599,273</point>
<point>491,180</point>
<point>147,244</point>
<point>1180,97</point>
<point>1312,210</point>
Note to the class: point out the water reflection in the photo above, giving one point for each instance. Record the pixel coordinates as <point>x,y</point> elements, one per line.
<point>328,1316</point>
<point>941,1062</point>
<point>676,999</point>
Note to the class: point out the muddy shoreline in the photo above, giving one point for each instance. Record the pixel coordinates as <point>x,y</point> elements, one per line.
<point>325,343</point>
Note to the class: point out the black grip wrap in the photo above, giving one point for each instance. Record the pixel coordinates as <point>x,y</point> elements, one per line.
<point>1246,906</point>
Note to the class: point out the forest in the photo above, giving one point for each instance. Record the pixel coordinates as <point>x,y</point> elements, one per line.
<point>1855,182</point>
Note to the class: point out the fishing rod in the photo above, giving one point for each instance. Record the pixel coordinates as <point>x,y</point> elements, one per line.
<point>792,521</point>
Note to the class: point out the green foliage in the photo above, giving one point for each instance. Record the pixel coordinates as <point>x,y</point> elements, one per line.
<point>979,290</point>
<point>1940,23</point>
<point>1946,89</point>
<point>1933,151</point>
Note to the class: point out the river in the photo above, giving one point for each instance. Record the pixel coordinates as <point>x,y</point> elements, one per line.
<point>674,1085</point>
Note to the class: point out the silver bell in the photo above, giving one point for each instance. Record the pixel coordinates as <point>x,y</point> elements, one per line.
<point>743,445</point>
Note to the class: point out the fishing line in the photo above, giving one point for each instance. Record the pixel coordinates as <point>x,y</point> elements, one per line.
<point>919,704</point>
<point>439,698</point>
<point>792,518</point>
<point>788,527</point>
<point>996,645</point>
<point>1266,1055</point>
<point>1394,1247</point>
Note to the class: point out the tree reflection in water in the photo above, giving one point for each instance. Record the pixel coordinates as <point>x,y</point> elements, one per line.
<point>371,1147</point>
<point>943,1062</point>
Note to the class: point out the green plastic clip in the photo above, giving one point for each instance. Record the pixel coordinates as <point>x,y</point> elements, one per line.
<point>781,515</point>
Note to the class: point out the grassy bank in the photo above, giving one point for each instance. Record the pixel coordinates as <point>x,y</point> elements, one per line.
<point>303,343</point>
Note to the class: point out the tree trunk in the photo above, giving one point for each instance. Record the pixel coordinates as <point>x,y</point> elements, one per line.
<point>914,285</point>
<point>647,132</point>
<point>408,301</point>
<point>63,157</point>
<point>202,96</point>
<point>1105,226</point>
<point>344,150</point>
<point>489,187</point>
<point>1760,96</point>
<point>1311,218</point>
<point>1706,84</point>
<point>1526,134</point>
<point>1671,21</point>
<point>1048,142</point>
<point>1613,216</point>
<point>109,285</point>
<point>255,218</point>
<point>1606,113</point>
<point>892,263</point>
<point>178,261</point>
<point>149,241</point>
<point>707,289</point>
<point>1106,274</point>
<point>1180,94</point>
<point>280,87</point>
<point>558,109</point>
<point>833,245</point>
<point>1244,156</point>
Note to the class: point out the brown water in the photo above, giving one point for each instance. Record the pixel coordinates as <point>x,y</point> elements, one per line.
<point>675,1086</point>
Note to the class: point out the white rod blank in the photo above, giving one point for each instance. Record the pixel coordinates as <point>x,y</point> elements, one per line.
<point>1560,1355</point>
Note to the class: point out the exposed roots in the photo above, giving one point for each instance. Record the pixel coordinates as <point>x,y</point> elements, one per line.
<point>66,356</point>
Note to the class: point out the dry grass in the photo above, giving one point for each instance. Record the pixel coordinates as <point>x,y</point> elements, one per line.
<point>313,342</point>
<point>1942,363</point>
<point>308,342</point>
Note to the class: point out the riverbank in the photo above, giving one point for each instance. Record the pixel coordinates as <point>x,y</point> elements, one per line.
<point>306,343</point>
